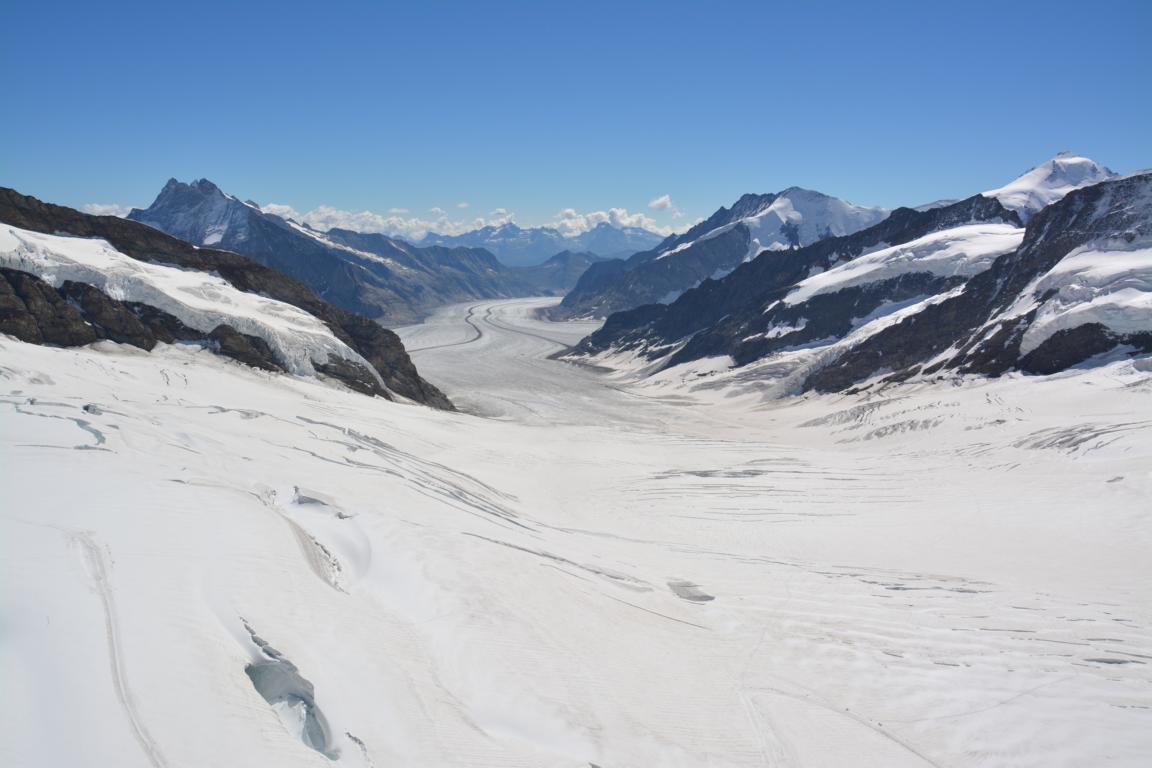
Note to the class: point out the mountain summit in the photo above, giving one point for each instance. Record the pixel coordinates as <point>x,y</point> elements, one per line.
<point>792,218</point>
<point>1048,182</point>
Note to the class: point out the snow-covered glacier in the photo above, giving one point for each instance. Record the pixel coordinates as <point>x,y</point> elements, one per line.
<point>207,565</point>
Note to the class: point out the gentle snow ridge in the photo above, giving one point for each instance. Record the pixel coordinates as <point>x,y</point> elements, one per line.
<point>810,216</point>
<point>200,300</point>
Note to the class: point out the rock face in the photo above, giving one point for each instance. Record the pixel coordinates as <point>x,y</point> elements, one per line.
<point>78,314</point>
<point>32,311</point>
<point>960,287</point>
<point>62,320</point>
<point>989,322</point>
<point>735,303</point>
<point>731,236</point>
<point>530,246</point>
<point>373,275</point>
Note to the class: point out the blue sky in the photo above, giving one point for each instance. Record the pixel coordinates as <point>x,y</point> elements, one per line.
<point>535,107</point>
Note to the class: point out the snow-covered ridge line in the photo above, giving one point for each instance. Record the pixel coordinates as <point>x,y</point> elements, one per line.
<point>198,299</point>
<point>959,252</point>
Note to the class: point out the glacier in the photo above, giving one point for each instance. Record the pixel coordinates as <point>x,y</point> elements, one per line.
<point>576,569</point>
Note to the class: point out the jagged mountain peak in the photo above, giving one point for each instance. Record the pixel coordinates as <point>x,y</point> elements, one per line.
<point>202,186</point>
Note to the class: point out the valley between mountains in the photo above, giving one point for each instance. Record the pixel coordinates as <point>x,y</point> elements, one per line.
<point>576,385</point>
<point>229,566</point>
<point>807,484</point>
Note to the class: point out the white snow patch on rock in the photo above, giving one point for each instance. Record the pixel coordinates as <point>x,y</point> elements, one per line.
<point>1095,284</point>
<point>199,299</point>
<point>961,251</point>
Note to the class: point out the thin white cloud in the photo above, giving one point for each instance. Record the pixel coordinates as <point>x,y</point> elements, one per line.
<point>569,221</point>
<point>462,206</point>
<point>664,203</point>
<point>106,209</point>
<point>326,217</point>
<point>283,211</point>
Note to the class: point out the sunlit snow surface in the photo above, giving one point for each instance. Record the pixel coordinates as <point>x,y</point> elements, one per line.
<point>952,574</point>
<point>957,252</point>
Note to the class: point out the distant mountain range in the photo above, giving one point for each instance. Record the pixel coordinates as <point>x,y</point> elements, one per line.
<point>371,274</point>
<point>755,223</point>
<point>1037,276</point>
<point>518,246</point>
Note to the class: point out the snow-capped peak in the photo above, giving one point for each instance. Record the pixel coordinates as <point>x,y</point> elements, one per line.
<point>799,217</point>
<point>1048,182</point>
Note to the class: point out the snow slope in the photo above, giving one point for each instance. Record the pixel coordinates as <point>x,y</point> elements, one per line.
<point>1108,284</point>
<point>935,575</point>
<point>200,300</point>
<point>1048,182</point>
<point>795,217</point>
<point>961,251</point>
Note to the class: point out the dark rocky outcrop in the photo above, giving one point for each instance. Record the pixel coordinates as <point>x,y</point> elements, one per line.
<point>33,311</point>
<point>77,314</point>
<point>380,347</point>
<point>114,319</point>
<point>250,350</point>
